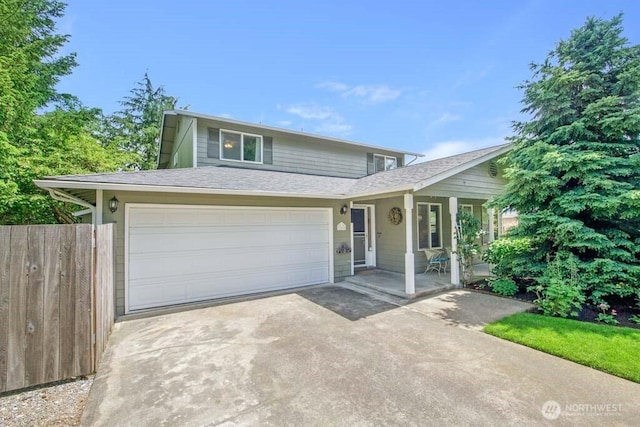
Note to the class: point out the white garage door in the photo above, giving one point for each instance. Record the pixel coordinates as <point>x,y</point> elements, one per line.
<point>179,254</point>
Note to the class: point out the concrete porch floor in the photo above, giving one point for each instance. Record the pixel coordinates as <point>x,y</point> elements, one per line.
<point>426,283</point>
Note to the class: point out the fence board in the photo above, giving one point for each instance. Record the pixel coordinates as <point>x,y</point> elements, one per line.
<point>83,268</point>
<point>67,301</point>
<point>17,309</point>
<point>34,351</point>
<point>104,287</point>
<point>5,259</point>
<point>52,304</point>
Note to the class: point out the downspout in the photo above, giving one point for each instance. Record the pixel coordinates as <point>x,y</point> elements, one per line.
<point>414,159</point>
<point>68,198</point>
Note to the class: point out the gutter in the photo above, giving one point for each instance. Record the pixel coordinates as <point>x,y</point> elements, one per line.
<point>68,198</point>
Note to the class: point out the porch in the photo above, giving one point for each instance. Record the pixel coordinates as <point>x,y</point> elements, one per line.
<point>393,283</point>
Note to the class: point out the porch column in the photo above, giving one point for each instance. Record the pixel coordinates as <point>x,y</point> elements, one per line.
<point>455,267</point>
<point>492,234</point>
<point>409,259</point>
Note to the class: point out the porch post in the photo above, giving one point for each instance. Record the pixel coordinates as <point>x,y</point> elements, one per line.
<point>455,267</point>
<point>409,260</point>
<point>492,234</point>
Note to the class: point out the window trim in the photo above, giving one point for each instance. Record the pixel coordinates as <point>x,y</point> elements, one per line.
<point>385,157</point>
<point>242,135</point>
<point>439,225</point>
<point>465,205</point>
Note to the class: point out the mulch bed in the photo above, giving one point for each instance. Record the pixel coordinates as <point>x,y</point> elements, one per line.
<point>624,308</point>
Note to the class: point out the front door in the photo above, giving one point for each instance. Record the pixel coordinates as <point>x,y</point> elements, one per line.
<point>363,226</point>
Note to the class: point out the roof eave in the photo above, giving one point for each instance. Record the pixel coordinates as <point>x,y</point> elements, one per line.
<point>56,184</point>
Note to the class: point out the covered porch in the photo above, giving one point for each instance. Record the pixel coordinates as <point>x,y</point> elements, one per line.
<point>394,283</point>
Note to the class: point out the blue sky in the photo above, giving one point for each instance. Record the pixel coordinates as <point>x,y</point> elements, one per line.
<point>431,77</point>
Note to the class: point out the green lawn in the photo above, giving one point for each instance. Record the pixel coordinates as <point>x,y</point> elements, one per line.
<point>611,349</point>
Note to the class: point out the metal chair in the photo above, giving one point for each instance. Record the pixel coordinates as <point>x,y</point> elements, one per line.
<point>436,260</point>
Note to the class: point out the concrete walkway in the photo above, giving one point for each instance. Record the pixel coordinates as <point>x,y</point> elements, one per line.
<point>331,356</point>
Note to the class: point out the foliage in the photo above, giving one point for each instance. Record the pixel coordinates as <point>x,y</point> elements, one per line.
<point>504,286</point>
<point>510,257</point>
<point>136,128</point>
<point>611,349</point>
<point>468,230</point>
<point>635,319</point>
<point>60,143</point>
<point>559,291</point>
<point>34,143</point>
<point>605,317</point>
<point>30,66</point>
<point>574,171</point>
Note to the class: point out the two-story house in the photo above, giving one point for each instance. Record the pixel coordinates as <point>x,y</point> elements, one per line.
<point>238,208</point>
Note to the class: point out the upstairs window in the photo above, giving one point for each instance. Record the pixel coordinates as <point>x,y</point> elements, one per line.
<point>384,163</point>
<point>242,147</point>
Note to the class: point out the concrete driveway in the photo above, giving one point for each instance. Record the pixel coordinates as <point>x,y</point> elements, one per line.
<point>331,356</point>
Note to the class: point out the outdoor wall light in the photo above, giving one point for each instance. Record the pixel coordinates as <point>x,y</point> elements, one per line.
<point>344,209</point>
<point>113,204</point>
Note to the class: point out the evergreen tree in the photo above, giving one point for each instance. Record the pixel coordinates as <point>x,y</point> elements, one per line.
<point>136,128</point>
<point>35,144</point>
<point>574,172</point>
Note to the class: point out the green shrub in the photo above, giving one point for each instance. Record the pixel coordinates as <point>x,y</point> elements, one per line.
<point>506,247</point>
<point>559,291</point>
<point>504,286</point>
<point>511,257</point>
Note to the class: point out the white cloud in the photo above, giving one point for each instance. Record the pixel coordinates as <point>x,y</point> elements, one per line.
<point>328,121</point>
<point>442,149</point>
<point>445,118</point>
<point>338,127</point>
<point>285,123</point>
<point>370,94</point>
<point>310,111</point>
<point>225,115</point>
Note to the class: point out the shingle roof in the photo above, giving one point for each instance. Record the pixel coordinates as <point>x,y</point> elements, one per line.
<point>254,180</point>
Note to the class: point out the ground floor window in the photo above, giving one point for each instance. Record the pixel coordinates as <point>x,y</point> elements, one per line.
<point>429,225</point>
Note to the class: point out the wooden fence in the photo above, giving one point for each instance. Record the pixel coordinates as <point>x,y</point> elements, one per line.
<point>53,287</point>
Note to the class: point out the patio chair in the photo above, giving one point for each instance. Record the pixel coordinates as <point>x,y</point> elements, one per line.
<point>436,260</point>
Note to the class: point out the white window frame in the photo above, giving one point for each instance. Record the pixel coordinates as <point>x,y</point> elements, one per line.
<point>242,135</point>
<point>428,205</point>
<point>395,159</point>
<point>462,207</point>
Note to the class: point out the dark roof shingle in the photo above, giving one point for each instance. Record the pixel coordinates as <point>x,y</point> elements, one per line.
<point>254,180</point>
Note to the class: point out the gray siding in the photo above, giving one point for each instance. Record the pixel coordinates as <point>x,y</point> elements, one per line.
<point>474,183</point>
<point>183,145</point>
<point>342,262</point>
<point>390,243</point>
<point>291,153</point>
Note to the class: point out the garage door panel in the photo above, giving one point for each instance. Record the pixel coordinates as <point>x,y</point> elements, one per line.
<point>160,265</point>
<point>159,239</point>
<point>184,254</point>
